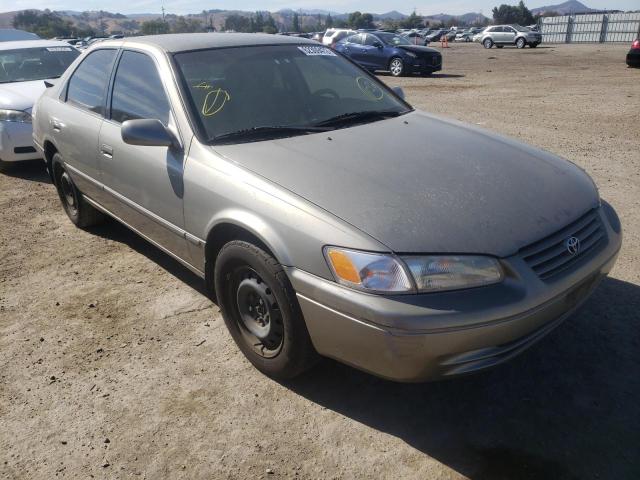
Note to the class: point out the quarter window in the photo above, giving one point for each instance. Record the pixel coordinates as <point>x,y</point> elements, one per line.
<point>137,90</point>
<point>88,84</point>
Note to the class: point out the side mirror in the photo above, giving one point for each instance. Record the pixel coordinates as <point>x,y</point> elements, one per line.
<point>377,44</point>
<point>147,133</point>
<point>398,91</point>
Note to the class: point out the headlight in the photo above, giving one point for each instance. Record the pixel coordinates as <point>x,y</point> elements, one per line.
<point>14,116</point>
<point>433,273</point>
<point>411,54</point>
<point>371,272</point>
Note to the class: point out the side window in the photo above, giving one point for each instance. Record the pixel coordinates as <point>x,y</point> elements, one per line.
<point>88,84</point>
<point>357,39</point>
<point>370,40</point>
<point>137,90</point>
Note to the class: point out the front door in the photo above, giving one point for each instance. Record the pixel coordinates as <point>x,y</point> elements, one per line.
<point>144,185</point>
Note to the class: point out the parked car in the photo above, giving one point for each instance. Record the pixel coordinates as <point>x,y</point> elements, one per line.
<point>501,35</point>
<point>324,213</point>
<point>23,67</point>
<point>390,52</point>
<point>333,35</point>
<point>467,35</point>
<point>633,57</point>
<point>451,35</point>
<point>14,35</point>
<point>436,35</point>
<point>415,38</point>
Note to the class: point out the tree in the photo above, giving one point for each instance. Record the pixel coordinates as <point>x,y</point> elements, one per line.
<point>412,21</point>
<point>358,20</point>
<point>296,22</point>
<point>186,25</point>
<point>46,24</point>
<point>269,25</point>
<point>154,27</point>
<point>238,23</point>
<point>328,22</point>
<point>509,14</point>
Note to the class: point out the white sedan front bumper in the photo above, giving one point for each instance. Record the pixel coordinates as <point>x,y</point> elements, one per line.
<point>16,142</point>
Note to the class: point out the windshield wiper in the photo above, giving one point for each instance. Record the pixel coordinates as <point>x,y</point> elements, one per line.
<point>277,130</point>
<point>355,117</point>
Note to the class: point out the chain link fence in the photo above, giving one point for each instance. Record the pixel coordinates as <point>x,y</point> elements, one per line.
<point>591,28</point>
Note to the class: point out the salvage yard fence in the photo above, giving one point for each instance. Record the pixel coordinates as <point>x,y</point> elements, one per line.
<point>591,28</point>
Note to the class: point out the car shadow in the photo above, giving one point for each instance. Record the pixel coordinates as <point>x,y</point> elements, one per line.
<point>32,170</point>
<point>433,75</point>
<point>565,409</point>
<point>117,232</point>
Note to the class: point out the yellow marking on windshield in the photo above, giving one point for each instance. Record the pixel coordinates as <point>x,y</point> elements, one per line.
<point>215,101</point>
<point>369,88</point>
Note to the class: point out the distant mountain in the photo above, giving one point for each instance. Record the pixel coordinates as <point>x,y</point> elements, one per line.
<point>467,18</point>
<point>568,7</point>
<point>392,15</point>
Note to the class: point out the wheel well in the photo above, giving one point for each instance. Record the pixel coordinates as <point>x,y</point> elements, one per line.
<point>217,238</point>
<point>49,151</point>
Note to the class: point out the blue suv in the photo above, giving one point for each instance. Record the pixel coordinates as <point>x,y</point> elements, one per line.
<point>390,52</point>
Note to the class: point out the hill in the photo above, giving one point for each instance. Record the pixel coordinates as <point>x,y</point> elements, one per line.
<point>566,8</point>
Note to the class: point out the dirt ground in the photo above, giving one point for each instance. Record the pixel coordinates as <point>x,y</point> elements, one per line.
<point>114,364</point>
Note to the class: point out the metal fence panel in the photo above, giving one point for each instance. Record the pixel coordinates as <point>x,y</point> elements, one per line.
<point>591,28</point>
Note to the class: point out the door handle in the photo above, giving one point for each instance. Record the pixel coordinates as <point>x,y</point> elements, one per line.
<point>56,125</point>
<point>106,150</point>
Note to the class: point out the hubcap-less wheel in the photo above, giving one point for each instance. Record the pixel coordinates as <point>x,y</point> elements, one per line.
<point>520,43</point>
<point>68,192</point>
<point>396,67</point>
<point>260,319</point>
<point>488,43</point>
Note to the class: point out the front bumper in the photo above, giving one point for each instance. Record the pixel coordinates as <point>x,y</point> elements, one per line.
<point>428,64</point>
<point>16,142</point>
<point>414,338</point>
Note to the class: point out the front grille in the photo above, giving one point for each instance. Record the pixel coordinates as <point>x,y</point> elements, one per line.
<point>550,256</point>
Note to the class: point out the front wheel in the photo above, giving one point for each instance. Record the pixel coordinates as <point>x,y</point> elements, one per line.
<point>533,45</point>
<point>396,67</point>
<point>3,166</point>
<point>260,309</point>
<point>521,43</point>
<point>488,43</point>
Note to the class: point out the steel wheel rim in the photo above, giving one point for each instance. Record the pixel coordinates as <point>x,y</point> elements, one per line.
<point>259,317</point>
<point>487,44</point>
<point>520,43</point>
<point>396,67</point>
<point>68,192</point>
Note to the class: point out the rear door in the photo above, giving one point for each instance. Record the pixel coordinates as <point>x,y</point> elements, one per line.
<point>144,184</point>
<point>76,121</point>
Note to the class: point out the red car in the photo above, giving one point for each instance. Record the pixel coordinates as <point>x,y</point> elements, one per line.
<point>633,57</point>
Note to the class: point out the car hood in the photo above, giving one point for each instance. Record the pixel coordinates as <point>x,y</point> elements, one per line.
<point>20,95</point>
<point>420,183</point>
<point>418,49</point>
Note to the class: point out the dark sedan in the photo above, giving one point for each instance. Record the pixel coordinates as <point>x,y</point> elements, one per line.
<point>633,57</point>
<point>390,52</point>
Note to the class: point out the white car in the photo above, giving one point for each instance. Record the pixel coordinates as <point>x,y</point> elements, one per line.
<point>23,67</point>
<point>334,35</point>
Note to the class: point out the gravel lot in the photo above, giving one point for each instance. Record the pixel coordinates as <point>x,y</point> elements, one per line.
<point>114,364</point>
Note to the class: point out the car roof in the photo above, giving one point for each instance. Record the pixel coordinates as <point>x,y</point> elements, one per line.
<point>13,45</point>
<point>180,42</point>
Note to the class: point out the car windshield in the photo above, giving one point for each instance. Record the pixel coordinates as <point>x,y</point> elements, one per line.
<point>26,64</point>
<point>391,39</point>
<point>290,89</point>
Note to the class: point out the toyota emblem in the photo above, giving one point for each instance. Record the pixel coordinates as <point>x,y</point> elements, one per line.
<point>573,245</point>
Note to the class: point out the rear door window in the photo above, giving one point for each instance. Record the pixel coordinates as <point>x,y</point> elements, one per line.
<point>88,84</point>
<point>137,90</point>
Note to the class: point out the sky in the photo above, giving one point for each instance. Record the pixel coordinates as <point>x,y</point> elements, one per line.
<point>423,7</point>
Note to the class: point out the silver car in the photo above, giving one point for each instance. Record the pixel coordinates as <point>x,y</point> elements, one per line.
<point>326,215</point>
<point>501,35</point>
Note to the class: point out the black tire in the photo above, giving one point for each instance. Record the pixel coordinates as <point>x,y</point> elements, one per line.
<point>79,211</point>
<point>396,67</point>
<point>521,43</point>
<point>487,43</point>
<point>3,166</point>
<point>533,45</point>
<point>260,309</point>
